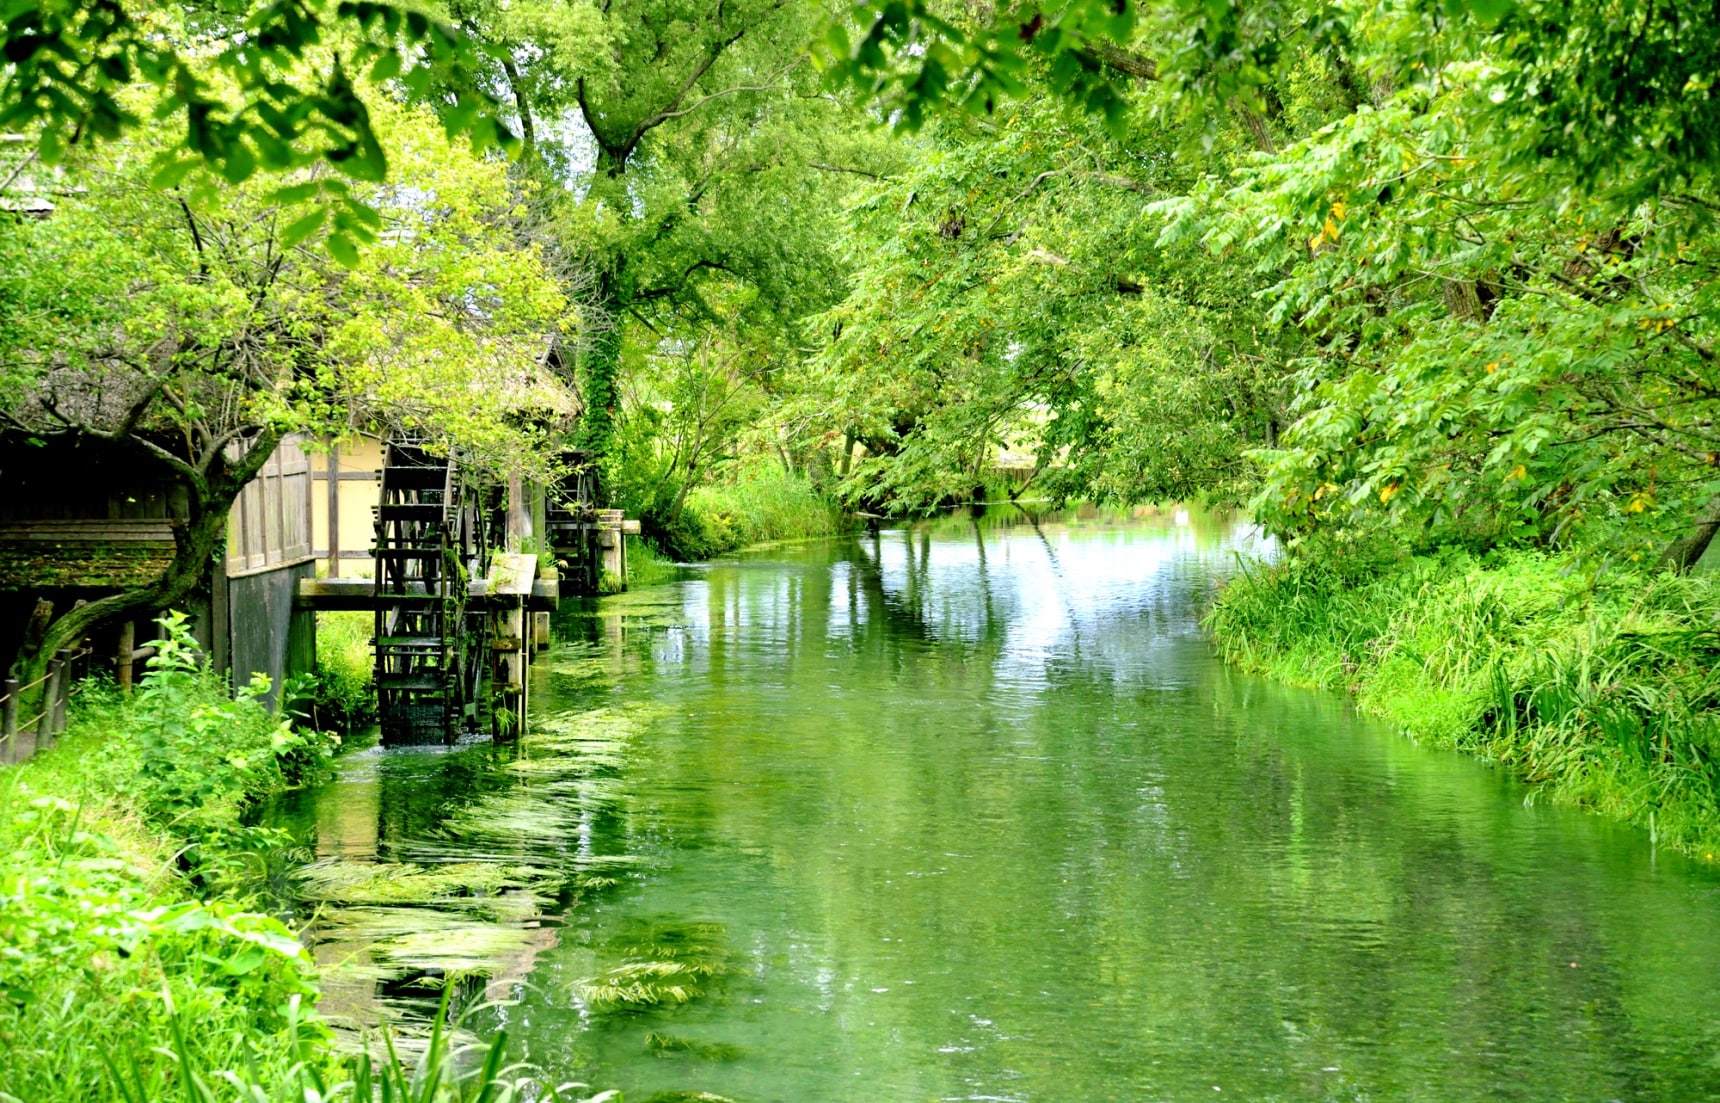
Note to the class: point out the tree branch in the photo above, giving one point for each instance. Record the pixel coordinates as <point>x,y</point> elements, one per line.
<point>665,116</point>
<point>844,168</point>
<point>1124,61</point>
<point>1037,180</point>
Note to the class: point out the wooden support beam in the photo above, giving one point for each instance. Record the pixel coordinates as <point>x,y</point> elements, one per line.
<point>542,594</point>
<point>334,510</point>
<point>127,655</point>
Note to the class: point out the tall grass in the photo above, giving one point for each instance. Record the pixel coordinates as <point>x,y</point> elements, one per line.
<point>755,504</point>
<point>127,873</point>
<point>648,567</point>
<point>345,696</point>
<point>441,1071</point>
<point>1599,686</point>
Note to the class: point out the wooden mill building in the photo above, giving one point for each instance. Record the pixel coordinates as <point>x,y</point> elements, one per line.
<point>75,525</point>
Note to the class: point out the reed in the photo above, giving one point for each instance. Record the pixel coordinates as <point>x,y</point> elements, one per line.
<point>1598,684</point>
<point>757,504</point>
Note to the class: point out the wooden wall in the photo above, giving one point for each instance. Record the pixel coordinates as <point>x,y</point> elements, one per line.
<point>355,463</point>
<point>78,522</point>
<point>270,527</point>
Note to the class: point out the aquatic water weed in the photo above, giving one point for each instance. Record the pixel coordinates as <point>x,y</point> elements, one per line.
<point>665,962</point>
<point>477,895</point>
<point>661,1044</point>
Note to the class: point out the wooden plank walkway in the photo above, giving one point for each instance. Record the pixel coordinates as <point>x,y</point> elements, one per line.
<point>360,593</point>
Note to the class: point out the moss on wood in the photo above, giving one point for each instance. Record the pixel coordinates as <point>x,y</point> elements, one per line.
<point>78,564</point>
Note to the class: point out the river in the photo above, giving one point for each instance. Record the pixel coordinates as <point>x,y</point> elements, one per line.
<point>969,811</point>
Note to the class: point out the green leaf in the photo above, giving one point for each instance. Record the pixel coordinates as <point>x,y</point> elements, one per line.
<point>303,227</point>
<point>342,249</point>
<point>365,213</point>
<point>297,193</point>
<point>1491,11</point>
<point>240,163</point>
<point>172,173</point>
<point>387,67</point>
<point>50,148</point>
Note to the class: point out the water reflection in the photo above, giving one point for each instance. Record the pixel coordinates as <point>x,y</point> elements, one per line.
<point>968,811</point>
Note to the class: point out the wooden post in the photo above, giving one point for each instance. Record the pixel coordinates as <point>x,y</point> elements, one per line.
<point>9,721</point>
<point>64,699</point>
<point>50,701</point>
<point>123,661</point>
<point>333,510</point>
<point>519,514</point>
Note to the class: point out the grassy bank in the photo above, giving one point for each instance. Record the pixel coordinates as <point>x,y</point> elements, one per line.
<point>129,947</point>
<point>757,504</point>
<point>1600,687</point>
<point>138,961</point>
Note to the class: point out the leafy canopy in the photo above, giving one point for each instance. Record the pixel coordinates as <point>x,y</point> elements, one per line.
<point>273,85</point>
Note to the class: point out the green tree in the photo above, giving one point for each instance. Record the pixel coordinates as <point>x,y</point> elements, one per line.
<point>271,85</point>
<point>692,168</point>
<point>1009,297</point>
<point>1510,327</point>
<point>185,332</point>
<point>1482,231</point>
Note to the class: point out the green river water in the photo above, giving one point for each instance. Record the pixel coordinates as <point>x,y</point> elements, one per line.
<point>969,811</point>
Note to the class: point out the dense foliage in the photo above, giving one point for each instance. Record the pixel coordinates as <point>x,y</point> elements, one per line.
<point>188,331</point>
<point>1430,283</point>
<point>1473,290</point>
<point>1442,267</point>
<point>125,878</point>
<point>138,957</point>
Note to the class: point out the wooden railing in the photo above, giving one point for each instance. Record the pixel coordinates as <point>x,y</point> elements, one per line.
<point>19,739</point>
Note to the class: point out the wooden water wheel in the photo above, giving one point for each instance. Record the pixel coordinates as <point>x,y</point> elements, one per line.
<point>426,680</point>
<point>570,521</point>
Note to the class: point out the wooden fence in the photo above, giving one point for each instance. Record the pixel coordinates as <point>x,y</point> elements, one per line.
<point>21,738</point>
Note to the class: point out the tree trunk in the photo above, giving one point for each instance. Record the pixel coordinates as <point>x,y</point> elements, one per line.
<point>600,375</point>
<point>847,454</point>
<point>1682,554</point>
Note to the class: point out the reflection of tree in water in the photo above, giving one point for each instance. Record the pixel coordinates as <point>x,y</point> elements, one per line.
<point>1257,885</point>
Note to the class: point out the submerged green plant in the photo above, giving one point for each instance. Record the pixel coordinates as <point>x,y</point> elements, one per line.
<point>665,963</point>
<point>660,1044</point>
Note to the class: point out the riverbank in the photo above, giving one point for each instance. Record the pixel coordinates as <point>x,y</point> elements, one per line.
<point>132,950</point>
<point>1595,685</point>
<point>758,504</point>
<point>139,959</point>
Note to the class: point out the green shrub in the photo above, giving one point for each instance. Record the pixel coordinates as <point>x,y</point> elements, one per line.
<point>345,690</point>
<point>760,503</point>
<point>134,964</point>
<point>1600,685</point>
<point>646,567</point>
<point>126,871</point>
